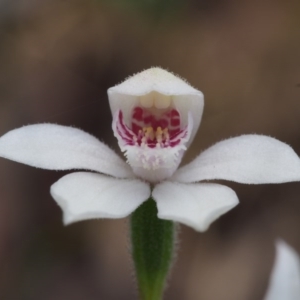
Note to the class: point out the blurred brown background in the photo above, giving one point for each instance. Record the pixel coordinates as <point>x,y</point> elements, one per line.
<point>57,60</point>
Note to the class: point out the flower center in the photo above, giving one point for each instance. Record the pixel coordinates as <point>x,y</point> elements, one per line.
<point>151,128</point>
<point>154,128</point>
<point>154,136</point>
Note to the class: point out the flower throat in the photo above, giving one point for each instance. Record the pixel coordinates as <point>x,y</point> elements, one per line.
<point>151,127</point>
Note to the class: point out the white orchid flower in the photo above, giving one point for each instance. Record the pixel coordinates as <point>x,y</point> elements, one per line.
<point>285,277</point>
<point>155,118</point>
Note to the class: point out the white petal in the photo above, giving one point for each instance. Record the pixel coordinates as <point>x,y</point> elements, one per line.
<point>246,159</point>
<point>56,147</point>
<point>285,278</point>
<point>185,98</point>
<point>86,195</point>
<point>196,205</point>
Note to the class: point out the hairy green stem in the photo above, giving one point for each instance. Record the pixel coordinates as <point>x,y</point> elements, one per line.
<point>152,250</point>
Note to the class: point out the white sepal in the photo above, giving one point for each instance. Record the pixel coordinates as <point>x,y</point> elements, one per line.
<point>56,147</point>
<point>251,159</point>
<point>285,277</point>
<point>85,195</point>
<point>196,205</point>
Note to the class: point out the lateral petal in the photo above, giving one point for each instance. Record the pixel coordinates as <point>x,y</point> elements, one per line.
<point>196,205</point>
<point>56,147</point>
<point>252,159</point>
<point>85,195</point>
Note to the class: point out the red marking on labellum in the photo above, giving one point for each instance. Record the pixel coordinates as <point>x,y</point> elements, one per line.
<point>137,114</point>
<point>174,113</point>
<point>126,130</point>
<point>175,122</point>
<point>174,143</point>
<point>151,130</point>
<point>149,120</point>
<point>163,123</point>
<point>136,128</point>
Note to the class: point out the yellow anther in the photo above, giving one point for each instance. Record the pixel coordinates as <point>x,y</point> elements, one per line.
<point>148,133</point>
<point>165,134</point>
<point>158,130</point>
<point>159,134</point>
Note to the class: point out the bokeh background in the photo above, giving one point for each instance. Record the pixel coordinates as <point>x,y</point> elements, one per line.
<point>57,60</point>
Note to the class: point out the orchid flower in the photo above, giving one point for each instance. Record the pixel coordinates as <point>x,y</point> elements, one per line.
<point>155,117</point>
<point>285,277</point>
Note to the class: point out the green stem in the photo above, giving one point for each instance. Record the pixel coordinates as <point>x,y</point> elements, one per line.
<point>152,250</point>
